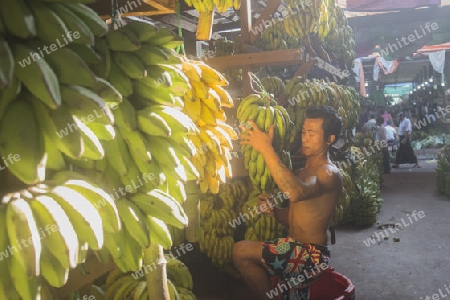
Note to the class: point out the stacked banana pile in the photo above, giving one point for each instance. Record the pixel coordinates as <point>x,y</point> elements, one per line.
<point>124,286</point>
<point>344,199</point>
<point>366,200</point>
<point>265,112</point>
<point>302,94</point>
<point>208,5</point>
<point>339,42</point>
<point>259,226</point>
<point>442,171</point>
<point>273,85</point>
<point>304,18</point>
<point>218,214</point>
<point>223,47</point>
<point>365,197</point>
<point>204,104</point>
<point>61,219</point>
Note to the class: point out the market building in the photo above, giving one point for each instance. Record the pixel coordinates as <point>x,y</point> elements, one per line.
<point>215,150</point>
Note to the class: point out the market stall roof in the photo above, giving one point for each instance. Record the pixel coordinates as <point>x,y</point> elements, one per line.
<point>385,5</point>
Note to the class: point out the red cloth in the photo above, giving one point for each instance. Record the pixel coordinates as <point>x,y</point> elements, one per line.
<point>433,48</point>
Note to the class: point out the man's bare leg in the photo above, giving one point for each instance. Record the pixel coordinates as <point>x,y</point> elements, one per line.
<point>247,258</point>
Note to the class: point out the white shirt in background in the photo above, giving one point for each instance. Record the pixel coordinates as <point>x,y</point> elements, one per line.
<point>404,126</point>
<point>390,133</point>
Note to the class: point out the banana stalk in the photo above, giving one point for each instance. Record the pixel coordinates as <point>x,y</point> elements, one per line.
<point>157,279</point>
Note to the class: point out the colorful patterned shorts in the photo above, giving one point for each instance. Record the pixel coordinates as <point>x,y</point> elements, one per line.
<point>292,266</point>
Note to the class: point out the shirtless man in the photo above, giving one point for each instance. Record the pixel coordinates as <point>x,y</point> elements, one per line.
<point>313,194</point>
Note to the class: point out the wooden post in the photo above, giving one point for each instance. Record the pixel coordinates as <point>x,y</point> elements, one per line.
<point>157,278</point>
<point>246,27</point>
<point>266,16</point>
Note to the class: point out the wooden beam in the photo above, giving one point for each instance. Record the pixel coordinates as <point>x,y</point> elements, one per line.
<point>305,68</point>
<point>265,16</point>
<point>246,26</point>
<point>264,58</point>
<point>185,22</point>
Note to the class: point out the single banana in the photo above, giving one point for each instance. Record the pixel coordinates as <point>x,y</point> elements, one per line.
<point>123,40</point>
<point>161,205</point>
<point>49,26</point>
<point>159,233</point>
<point>134,220</point>
<point>93,148</point>
<point>62,241</point>
<point>20,138</point>
<point>83,215</point>
<point>6,64</point>
<point>96,25</point>
<point>86,105</point>
<point>130,64</point>
<point>36,75</point>
<point>22,228</point>
<point>60,128</point>
<point>101,200</point>
<point>18,19</point>
<point>52,270</point>
<point>84,35</point>
<point>8,94</point>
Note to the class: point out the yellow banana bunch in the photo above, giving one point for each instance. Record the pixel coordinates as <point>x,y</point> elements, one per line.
<point>219,219</point>
<point>265,112</point>
<point>208,5</point>
<point>259,226</point>
<point>204,105</point>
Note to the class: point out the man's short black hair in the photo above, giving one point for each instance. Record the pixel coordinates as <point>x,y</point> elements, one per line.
<point>332,122</point>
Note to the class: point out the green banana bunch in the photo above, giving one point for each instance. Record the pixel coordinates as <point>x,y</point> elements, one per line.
<point>273,85</point>
<point>265,112</point>
<point>224,47</point>
<point>305,93</point>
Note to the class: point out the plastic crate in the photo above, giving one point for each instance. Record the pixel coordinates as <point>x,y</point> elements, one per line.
<point>332,285</point>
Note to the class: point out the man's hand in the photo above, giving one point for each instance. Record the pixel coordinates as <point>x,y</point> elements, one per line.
<point>256,138</point>
<point>265,206</point>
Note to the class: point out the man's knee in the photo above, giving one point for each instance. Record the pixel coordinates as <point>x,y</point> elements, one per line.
<point>239,250</point>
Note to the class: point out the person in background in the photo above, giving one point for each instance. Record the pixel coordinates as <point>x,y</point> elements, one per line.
<point>391,132</point>
<point>371,125</point>
<point>386,116</point>
<point>382,140</point>
<point>405,153</point>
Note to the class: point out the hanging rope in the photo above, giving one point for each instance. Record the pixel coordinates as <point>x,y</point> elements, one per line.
<point>180,31</point>
<point>114,13</point>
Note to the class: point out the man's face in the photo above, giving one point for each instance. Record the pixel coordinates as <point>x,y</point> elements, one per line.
<point>313,142</point>
<point>401,117</point>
